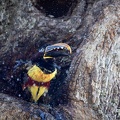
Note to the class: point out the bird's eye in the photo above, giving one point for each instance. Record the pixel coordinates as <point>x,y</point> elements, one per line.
<point>41,50</point>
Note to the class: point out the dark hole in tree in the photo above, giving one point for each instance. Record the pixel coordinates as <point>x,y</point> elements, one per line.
<point>11,81</point>
<point>56,8</point>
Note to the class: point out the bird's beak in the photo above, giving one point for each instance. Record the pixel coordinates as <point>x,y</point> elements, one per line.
<point>57,50</point>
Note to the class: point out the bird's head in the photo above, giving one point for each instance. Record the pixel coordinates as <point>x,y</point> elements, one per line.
<point>55,50</point>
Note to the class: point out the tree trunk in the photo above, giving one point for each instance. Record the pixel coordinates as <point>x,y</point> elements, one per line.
<point>91,88</point>
<point>95,70</point>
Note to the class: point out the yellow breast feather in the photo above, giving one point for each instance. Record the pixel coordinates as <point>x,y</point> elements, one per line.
<point>37,92</point>
<point>38,75</point>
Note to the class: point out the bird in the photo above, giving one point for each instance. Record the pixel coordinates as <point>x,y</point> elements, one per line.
<point>42,69</point>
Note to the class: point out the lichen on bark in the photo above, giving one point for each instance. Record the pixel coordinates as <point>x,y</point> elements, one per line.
<point>92,84</point>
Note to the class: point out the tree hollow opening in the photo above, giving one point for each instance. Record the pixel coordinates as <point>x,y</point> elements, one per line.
<point>55,8</point>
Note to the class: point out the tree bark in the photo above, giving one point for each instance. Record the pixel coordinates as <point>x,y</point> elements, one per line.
<point>93,79</point>
<point>94,72</point>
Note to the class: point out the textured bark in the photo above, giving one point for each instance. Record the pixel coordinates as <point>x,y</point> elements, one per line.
<point>16,109</point>
<point>95,69</point>
<point>93,80</point>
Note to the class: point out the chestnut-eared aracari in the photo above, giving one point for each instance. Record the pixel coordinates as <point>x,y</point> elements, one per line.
<point>43,69</point>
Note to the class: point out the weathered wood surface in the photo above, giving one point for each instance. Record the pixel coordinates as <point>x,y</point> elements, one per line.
<point>93,79</point>
<point>95,69</point>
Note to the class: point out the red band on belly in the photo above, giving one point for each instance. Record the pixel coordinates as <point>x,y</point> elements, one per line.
<point>31,82</point>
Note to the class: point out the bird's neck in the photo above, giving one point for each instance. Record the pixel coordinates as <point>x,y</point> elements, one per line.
<point>46,65</point>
